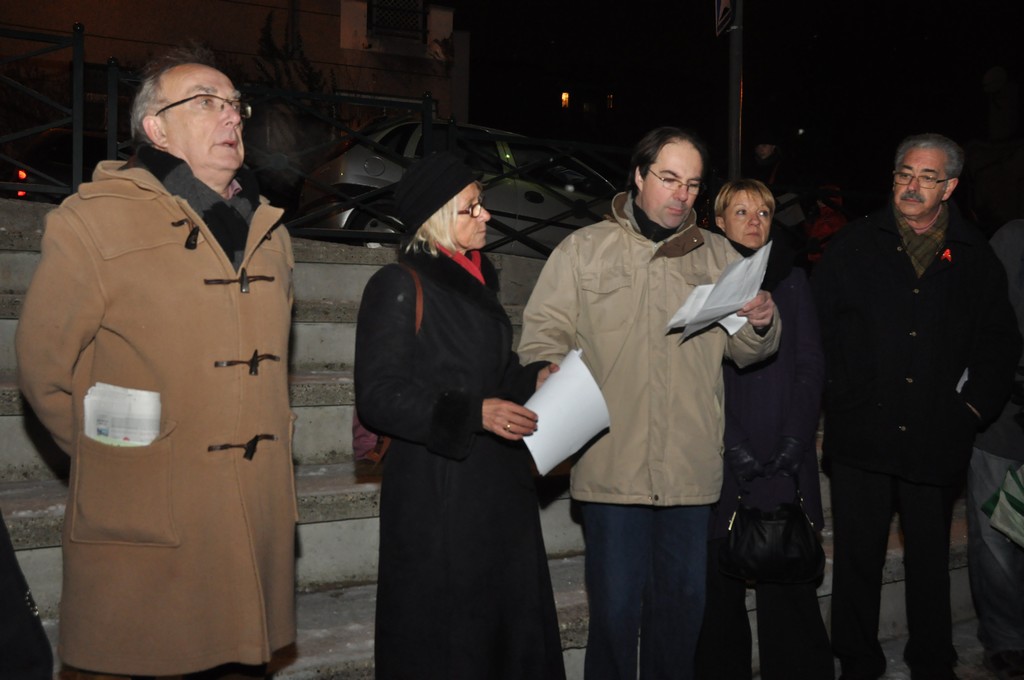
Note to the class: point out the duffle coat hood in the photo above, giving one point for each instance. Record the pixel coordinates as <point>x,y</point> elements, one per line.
<point>609,291</point>
<point>178,555</point>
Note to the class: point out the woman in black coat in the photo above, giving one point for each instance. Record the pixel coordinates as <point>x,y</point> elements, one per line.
<point>463,589</point>
<point>771,420</point>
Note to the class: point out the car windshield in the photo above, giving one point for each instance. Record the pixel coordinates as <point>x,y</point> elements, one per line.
<point>479,154</point>
<point>546,166</point>
<point>397,139</point>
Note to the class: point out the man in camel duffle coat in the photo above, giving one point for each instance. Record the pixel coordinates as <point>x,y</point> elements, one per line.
<point>169,273</point>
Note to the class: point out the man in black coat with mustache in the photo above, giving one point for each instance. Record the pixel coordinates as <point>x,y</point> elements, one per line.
<point>920,347</point>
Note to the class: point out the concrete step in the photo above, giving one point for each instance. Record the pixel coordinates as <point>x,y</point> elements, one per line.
<point>970,655</point>
<point>323,331</point>
<point>335,625</point>
<point>322,401</point>
<point>329,279</point>
<point>22,223</point>
<point>338,524</point>
<point>337,533</point>
<point>34,510</point>
<point>335,630</point>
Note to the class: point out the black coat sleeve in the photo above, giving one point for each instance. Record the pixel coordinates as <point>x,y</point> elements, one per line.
<point>996,344</point>
<point>394,393</point>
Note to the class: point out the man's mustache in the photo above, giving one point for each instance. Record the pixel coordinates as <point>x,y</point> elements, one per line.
<point>911,195</point>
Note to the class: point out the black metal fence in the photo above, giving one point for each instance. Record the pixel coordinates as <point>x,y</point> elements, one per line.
<point>292,139</point>
<point>331,159</point>
<point>65,114</point>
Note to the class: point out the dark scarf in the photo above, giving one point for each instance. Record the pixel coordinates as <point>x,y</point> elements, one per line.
<point>922,248</point>
<point>649,227</point>
<point>228,219</point>
<point>780,260</point>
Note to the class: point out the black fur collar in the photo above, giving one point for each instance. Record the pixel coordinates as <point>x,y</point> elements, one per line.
<point>445,272</point>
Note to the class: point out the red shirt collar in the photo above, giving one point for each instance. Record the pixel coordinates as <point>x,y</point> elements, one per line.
<point>470,263</point>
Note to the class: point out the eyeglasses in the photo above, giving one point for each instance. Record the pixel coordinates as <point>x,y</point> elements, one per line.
<point>926,181</point>
<point>211,103</point>
<point>674,185</point>
<point>474,209</point>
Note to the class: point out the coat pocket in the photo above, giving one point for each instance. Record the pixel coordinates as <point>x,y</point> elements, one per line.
<point>122,495</point>
<point>607,299</point>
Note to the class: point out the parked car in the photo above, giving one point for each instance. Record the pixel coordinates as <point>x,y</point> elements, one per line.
<point>44,168</point>
<point>536,192</point>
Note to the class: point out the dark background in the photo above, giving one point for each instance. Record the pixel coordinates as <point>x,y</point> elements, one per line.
<point>856,76</point>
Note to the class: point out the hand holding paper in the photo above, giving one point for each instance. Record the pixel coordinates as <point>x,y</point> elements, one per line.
<point>570,411</point>
<point>718,303</point>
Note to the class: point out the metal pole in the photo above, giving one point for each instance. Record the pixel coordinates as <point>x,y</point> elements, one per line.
<point>77,103</point>
<point>113,78</point>
<point>736,90</point>
<point>427,116</point>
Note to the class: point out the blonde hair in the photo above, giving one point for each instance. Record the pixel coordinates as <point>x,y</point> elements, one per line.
<point>754,187</point>
<point>439,228</point>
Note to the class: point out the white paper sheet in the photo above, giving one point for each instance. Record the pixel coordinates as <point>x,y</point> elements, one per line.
<point>718,303</point>
<point>120,416</point>
<point>570,411</point>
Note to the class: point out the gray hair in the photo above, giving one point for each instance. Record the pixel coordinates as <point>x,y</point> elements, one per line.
<point>931,140</point>
<point>149,88</point>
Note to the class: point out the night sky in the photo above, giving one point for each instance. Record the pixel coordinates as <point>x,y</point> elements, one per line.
<point>855,75</point>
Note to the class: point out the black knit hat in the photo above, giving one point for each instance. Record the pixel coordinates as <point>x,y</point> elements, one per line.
<point>428,184</point>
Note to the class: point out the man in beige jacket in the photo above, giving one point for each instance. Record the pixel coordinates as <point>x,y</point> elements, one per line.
<point>169,274</point>
<point>645,487</point>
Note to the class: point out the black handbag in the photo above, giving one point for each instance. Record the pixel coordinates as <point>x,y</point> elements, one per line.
<point>24,648</point>
<point>777,546</point>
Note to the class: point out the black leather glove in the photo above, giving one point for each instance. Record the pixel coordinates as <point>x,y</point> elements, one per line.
<point>787,459</point>
<point>741,461</point>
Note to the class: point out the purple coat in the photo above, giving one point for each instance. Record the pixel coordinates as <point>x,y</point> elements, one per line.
<point>778,397</point>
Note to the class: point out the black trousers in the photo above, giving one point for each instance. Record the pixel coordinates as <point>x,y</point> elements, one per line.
<point>863,504</point>
<point>792,641</point>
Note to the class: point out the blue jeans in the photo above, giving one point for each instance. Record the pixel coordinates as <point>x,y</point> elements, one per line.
<point>995,563</point>
<point>645,572</point>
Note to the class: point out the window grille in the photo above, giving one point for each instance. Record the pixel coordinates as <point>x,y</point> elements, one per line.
<point>400,18</point>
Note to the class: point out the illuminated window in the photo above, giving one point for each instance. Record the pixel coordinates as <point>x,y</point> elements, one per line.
<point>565,100</point>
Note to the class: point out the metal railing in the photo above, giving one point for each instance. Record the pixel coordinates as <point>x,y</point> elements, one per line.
<point>67,114</point>
<point>293,165</point>
<point>337,135</point>
<point>359,208</point>
<point>343,210</point>
<point>497,154</point>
